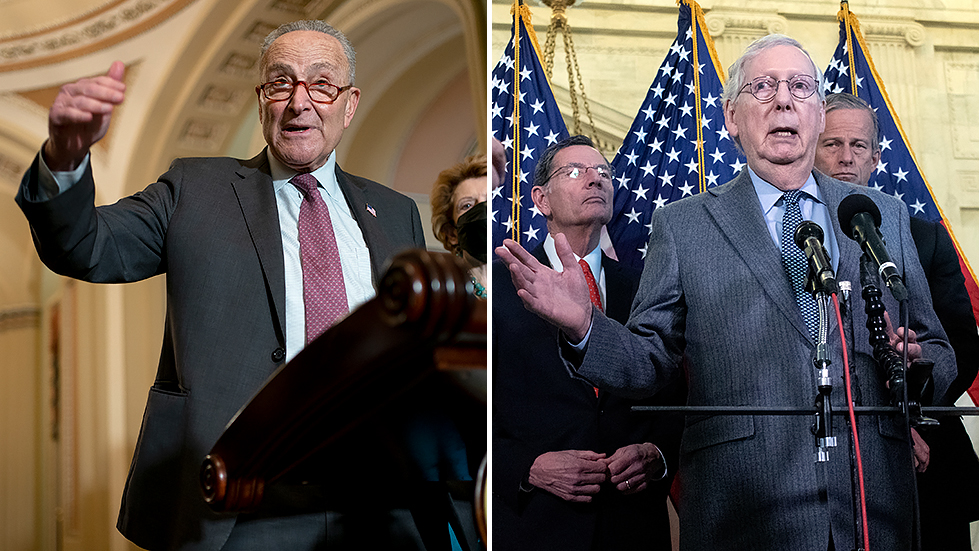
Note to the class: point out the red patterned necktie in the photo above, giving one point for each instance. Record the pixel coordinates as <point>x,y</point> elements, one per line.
<point>590,279</point>
<point>324,294</point>
<point>593,293</point>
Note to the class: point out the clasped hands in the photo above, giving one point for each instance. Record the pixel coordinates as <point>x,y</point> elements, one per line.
<point>577,475</point>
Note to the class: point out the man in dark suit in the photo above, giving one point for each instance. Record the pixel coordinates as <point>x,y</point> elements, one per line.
<point>716,292</point>
<point>849,150</point>
<point>573,468</point>
<point>236,241</point>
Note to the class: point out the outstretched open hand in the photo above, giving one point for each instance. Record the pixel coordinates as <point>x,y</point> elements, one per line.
<point>560,298</point>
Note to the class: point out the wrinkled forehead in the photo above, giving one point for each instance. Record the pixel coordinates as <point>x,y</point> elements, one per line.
<point>851,123</point>
<point>302,53</point>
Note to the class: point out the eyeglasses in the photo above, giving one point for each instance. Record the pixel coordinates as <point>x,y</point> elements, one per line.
<point>575,171</point>
<point>320,91</point>
<point>764,88</point>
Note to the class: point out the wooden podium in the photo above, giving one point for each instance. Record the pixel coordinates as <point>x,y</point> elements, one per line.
<point>424,323</point>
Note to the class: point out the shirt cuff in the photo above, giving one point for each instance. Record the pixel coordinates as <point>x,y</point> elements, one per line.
<point>663,463</point>
<point>580,346</point>
<point>525,486</point>
<point>51,184</point>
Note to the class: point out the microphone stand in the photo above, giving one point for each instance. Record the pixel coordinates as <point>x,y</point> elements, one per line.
<point>823,417</point>
<point>822,429</point>
<point>821,284</point>
<point>893,367</point>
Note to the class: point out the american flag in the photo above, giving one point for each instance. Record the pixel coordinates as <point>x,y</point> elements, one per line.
<point>525,128</point>
<point>678,144</point>
<point>852,70</point>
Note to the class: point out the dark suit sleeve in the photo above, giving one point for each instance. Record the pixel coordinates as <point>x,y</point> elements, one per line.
<point>639,359</point>
<point>950,298</point>
<point>509,475</point>
<point>662,430</point>
<point>122,242</point>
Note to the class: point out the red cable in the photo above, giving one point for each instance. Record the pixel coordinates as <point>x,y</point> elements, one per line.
<point>854,434</point>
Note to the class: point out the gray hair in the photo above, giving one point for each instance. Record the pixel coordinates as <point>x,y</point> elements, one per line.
<point>542,170</point>
<point>844,100</point>
<point>317,26</point>
<point>736,73</point>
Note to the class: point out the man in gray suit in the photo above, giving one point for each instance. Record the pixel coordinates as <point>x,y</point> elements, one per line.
<point>230,236</point>
<point>715,294</point>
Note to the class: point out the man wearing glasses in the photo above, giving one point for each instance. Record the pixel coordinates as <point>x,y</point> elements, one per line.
<point>572,467</point>
<point>722,291</point>
<point>261,256</point>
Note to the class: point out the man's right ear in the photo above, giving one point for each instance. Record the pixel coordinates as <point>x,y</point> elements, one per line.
<point>540,199</point>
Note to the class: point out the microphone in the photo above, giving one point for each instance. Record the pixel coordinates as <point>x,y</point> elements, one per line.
<point>861,215</point>
<point>809,237</point>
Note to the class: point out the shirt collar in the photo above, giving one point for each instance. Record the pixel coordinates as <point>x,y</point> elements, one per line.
<point>326,175</point>
<point>770,194</point>
<point>594,257</point>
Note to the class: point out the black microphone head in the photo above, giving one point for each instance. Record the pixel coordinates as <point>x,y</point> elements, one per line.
<point>852,205</point>
<point>806,230</point>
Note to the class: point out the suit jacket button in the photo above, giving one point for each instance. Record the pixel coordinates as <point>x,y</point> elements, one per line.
<point>278,355</point>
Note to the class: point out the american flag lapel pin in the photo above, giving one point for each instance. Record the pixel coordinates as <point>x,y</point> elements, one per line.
<point>371,209</point>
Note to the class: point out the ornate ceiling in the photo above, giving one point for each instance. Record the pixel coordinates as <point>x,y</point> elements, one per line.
<point>36,32</point>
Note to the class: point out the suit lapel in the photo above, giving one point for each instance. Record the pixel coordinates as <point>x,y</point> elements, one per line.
<point>833,193</point>
<point>735,209</point>
<point>256,197</point>
<point>618,287</point>
<point>358,201</point>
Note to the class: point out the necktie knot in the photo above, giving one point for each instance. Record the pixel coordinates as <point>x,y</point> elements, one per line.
<point>792,197</point>
<point>306,183</point>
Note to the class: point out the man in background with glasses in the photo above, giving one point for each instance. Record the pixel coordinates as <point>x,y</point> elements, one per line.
<point>721,303</point>
<point>261,256</point>
<point>573,469</point>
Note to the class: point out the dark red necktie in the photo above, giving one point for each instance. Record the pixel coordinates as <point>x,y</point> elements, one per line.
<point>593,293</point>
<point>324,294</point>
